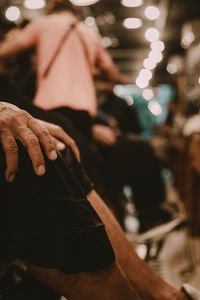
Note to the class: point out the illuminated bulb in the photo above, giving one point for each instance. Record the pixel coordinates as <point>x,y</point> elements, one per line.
<point>155,56</point>
<point>155,108</point>
<point>152,34</point>
<point>12,13</point>
<point>199,80</point>
<point>82,2</point>
<point>129,100</point>
<point>106,41</point>
<point>142,82</point>
<point>146,74</point>
<point>149,64</point>
<point>187,40</point>
<point>132,23</point>
<point>90,21</point>
<point>172,68</point>
<point>152,12</point>
<point>157,46</point>
<point>148,94</point>
<point>119,90</point>
<point>132,3</point>
<point>34,4</point>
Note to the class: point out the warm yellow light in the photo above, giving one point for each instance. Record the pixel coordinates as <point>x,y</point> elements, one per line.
<point>172,68</point>
<point>155,56</point>
<point>152,12</point>
<point>155,108</point>
<point>12,13</point>
<point>83,2</point>
<point>157,46</point>
<point>149,64</point>
<point>132,3</point>
<point>142,82</point>
<point>132,23</point>
<point>152,34</point>
<point>145,74</point>
<point>148,94</point>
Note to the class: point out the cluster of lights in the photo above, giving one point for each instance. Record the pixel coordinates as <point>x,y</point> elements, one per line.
<point>150,63</point>
<point>13,13</point>
<point>152,35</point>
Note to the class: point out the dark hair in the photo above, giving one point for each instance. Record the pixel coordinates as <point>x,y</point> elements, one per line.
<point>62,5</point>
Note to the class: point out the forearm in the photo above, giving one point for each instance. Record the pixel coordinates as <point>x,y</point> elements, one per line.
<point>10,48</point>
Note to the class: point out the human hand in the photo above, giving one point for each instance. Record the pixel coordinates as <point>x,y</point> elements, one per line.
<point>61,138</point>
<point>18,124</point>
<point>104,134</point>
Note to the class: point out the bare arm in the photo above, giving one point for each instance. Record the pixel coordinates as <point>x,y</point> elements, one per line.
<point>11,45</point>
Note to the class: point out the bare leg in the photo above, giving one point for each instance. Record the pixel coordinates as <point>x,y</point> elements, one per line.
<point>110,284</point>
<point>147,283</point>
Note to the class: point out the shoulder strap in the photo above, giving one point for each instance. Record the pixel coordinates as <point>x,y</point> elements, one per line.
<point>58,49</point>
<point>85,48</point>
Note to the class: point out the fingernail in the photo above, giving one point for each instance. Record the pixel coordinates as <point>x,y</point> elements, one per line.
<point>53,155</point>
<point>41,170</point>
<point>60,146</point>
<point>11,177</point>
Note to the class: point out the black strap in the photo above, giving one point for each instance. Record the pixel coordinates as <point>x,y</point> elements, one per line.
<point>58,49</point>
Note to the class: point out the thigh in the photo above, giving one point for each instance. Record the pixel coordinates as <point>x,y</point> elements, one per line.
<point>49,222</point>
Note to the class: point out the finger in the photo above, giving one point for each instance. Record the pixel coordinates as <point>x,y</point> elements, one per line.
<point>44,138</point>
<point>60,135</point>
<point>109,139</point>
<point>31,142</point>
<point>11,152</point>
<point>59,145</point>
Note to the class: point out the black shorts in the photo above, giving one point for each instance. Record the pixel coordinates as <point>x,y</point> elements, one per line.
<point>48,220</point>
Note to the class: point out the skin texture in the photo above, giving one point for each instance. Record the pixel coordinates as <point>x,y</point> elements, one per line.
<point>17,124</point>
<point>146,282</point>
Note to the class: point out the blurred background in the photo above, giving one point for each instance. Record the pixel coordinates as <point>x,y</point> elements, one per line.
<point>156,45</point>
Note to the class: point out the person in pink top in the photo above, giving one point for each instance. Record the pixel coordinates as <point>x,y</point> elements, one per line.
<point>69,82</point>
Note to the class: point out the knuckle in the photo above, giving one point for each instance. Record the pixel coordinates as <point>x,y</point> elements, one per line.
<point>32,121</point>
<point>2,124</point>
<point>32,140</point>
<point>10,146</point>
<point>23,114</point>
<point>58,128</point>
<point>44,133</point>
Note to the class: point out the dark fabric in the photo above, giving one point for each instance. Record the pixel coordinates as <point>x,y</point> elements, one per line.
<point>125,115</point>
<point>26,287</point>
<point>133,162</point>
<point>49,222</point>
